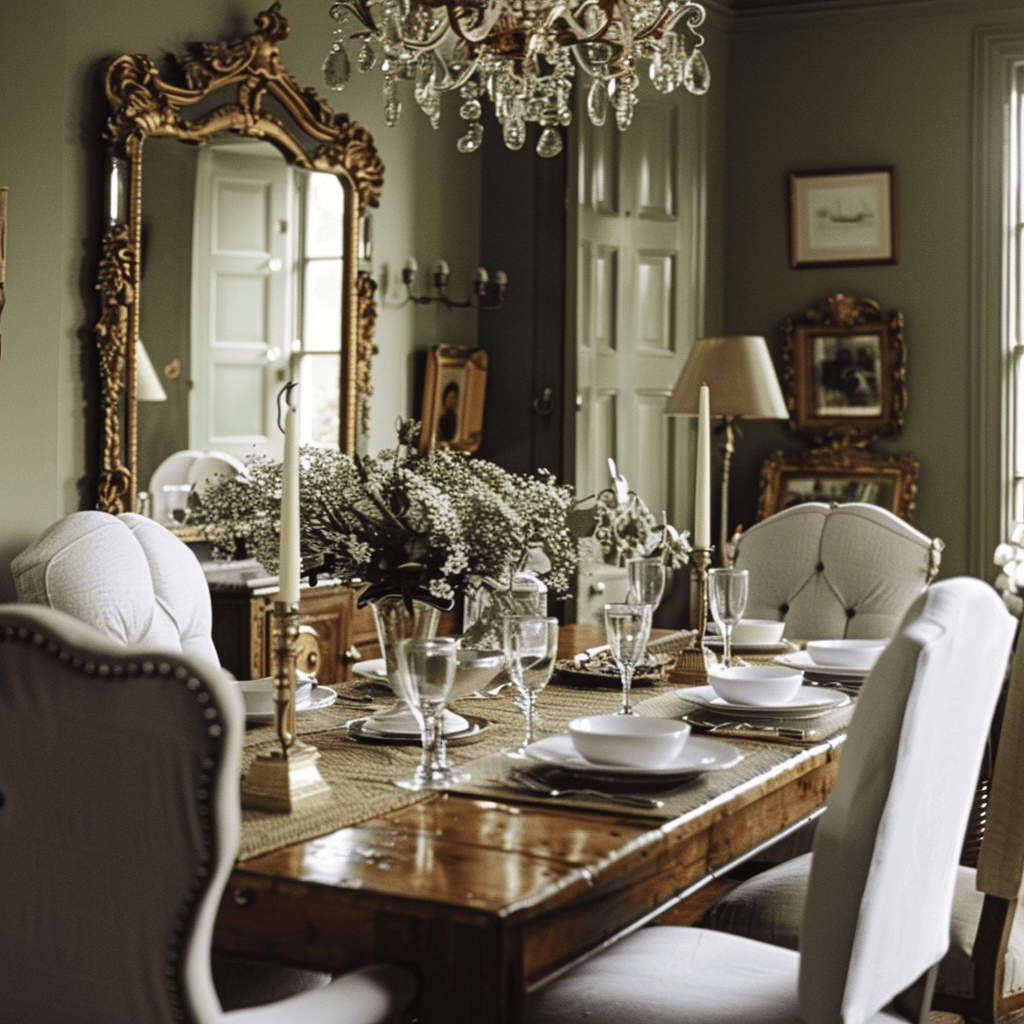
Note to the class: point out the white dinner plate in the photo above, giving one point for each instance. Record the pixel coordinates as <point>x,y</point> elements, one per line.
<point>802,660</point>
<point>374,669</point>
<point>716,643</point>
<point>701,754</point>
<point>809,700</point>
<point>320,697</point>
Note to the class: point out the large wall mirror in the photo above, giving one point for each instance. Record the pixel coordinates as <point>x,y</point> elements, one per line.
<point>236,266</point>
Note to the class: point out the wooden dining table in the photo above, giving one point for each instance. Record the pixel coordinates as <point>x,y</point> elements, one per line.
<point>489,898</point>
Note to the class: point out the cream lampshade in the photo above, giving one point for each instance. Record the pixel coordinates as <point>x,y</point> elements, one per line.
<point>741,378</point>
<point>149,388</point>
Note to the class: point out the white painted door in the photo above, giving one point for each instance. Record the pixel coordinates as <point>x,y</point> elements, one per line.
<point>240,304</point>
<point>639,279</point>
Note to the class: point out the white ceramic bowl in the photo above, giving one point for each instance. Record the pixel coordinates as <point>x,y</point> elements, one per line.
<point>860,654</point>
<point>258,694</point>
<point>759,632</point>
<point>628,739</point>
<point>760,685</point>
<point>474,670</point>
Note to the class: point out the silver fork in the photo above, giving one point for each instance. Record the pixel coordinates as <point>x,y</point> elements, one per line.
<point>531,782</point>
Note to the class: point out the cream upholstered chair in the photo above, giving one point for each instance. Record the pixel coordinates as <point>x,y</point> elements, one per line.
<point>876,918</point>
<point>982,974</point>
<point>119,823</point>
<point>138,584</point>
<point>834,571</point>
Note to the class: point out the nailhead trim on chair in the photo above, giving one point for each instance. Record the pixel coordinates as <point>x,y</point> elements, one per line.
<point>174,674</point>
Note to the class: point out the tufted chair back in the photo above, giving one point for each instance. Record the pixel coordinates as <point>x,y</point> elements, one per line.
<point>835,571</point>
<point>126,576</point>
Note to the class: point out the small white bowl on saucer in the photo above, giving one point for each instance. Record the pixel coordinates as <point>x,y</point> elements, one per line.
<point>757,632</point>
<point>628,739</point>
<point>756,685</point>
<point>859,654</point>
<point>258,694</point>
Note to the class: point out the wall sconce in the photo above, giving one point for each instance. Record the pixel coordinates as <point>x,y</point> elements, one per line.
<point>485,293</point>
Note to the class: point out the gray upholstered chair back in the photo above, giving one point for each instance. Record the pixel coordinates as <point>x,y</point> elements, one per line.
<point>836,571</point>
<point>119,823</point>
<point>126,575</point>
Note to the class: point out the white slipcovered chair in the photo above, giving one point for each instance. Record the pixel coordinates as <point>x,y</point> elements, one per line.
<point>126,575</point>
<point>119,824</point>
<point>982,974</point>
<point>835,571</point>
<point>877,913</point>
<point>134,581</point>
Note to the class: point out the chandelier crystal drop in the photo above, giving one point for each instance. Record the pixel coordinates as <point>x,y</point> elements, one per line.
<point>523,54</point>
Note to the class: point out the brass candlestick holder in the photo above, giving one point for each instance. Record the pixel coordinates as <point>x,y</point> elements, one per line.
<point>283,779</point>
<point>700,559</point>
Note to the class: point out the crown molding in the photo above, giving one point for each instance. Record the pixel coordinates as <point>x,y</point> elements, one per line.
<point>726,15</point>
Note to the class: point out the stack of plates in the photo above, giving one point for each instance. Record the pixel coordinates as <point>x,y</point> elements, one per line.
<point>802,660</point>
<point>809,702</point>
<point>319,697</point>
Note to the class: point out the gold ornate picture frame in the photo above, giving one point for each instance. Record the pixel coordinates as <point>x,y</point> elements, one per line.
<point>844,218</point>
<point>840,474</point>
<point>844,371</point>
<point>453,398</point>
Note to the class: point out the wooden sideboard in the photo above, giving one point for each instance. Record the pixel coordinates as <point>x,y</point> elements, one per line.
<point>335,632</point>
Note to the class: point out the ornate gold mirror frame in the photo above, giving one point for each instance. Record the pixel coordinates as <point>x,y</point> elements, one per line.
<point>143,105</point>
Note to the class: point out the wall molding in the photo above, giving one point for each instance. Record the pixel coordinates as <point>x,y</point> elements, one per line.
<point>724,15</point>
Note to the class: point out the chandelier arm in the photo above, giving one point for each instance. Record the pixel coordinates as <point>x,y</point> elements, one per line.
<point>360,10</point>
<point>667,20</point>
<point>486,19</point>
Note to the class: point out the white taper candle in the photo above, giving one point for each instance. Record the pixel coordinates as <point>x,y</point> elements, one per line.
<point>702,511</point>
<point>288,585</point>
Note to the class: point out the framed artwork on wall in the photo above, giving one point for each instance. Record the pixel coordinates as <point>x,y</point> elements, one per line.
<point>844,370</point>
<point>843,218</point>
<point>453,398</point>
<point>839,474</point>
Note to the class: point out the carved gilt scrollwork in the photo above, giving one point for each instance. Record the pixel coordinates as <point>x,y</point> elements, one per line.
<point>143,104</point>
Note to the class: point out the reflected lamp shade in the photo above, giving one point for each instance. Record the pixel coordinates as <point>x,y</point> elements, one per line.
<point>739,374</point>
<point>148,386</point>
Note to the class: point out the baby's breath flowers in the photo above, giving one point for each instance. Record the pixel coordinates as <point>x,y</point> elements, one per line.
<point>427,527</point>
<point>1009,557</point>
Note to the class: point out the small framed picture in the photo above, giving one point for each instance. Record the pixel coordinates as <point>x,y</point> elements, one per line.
<point>842,218</point>
<point>839,475</point>
<point>844,370</point>
<point>453,398</point>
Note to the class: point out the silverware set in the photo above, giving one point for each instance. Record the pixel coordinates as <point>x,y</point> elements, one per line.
<point>707,725</point>
<point>525,780</point>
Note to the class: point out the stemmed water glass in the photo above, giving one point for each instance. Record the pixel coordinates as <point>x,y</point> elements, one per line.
<point>646,581</point>
<point>727,595</point>
<point>628,627</point>
<point>531,646</point>
<point>425,674</point>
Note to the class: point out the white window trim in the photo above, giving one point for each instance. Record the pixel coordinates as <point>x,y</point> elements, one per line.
<point>998,53</point>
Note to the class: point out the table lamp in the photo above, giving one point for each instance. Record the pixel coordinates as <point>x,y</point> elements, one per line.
<point>739,373</point>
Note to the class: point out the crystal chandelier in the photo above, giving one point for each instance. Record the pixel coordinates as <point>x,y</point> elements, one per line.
<point>523,54</point>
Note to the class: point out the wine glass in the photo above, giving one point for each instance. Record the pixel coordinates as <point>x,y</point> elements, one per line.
<point>646,581</point>
<point>628,627</point>
<point>727,595</point>
<point>425,674</point>
<point>531,646</point>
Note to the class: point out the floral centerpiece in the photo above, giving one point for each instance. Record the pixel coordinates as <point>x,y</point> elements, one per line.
<point>622,526</point>
<point>1009,558</point>
<point>425,528</point>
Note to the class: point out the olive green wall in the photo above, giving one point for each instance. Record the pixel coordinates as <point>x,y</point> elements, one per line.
<point>51,116</point>
<point>858,89</point>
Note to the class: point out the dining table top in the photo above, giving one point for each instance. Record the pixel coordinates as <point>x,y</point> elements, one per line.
<point>487,892</point>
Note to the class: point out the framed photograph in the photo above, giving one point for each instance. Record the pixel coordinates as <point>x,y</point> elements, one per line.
<point>844,370</point>
<point>842,218</point>
<point>841,474</point>
<point>453,398</point>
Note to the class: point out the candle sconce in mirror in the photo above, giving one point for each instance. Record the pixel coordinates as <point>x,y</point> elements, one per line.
<point>485,292</point>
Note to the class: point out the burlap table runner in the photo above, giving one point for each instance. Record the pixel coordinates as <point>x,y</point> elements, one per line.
<point>361,774</point>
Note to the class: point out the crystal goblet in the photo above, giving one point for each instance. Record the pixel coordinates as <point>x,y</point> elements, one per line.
<point>628,628</point>
<point>531,646</point>
<point>727,596</point>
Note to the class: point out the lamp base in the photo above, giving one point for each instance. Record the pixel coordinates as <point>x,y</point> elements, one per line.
<point>281,782</point>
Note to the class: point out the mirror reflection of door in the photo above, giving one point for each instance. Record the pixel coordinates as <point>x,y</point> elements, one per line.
<point>240,309</point>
